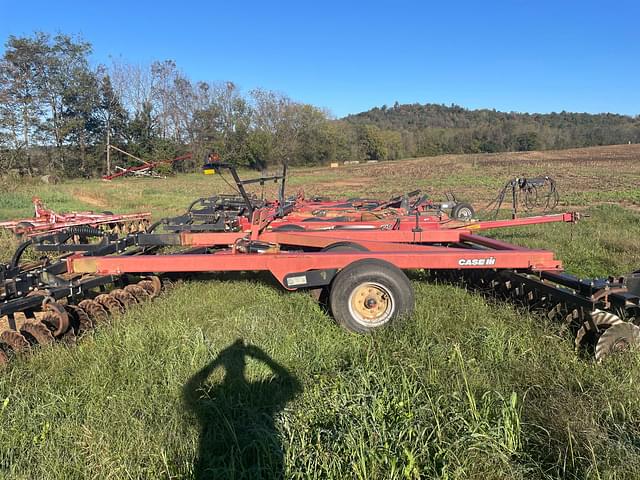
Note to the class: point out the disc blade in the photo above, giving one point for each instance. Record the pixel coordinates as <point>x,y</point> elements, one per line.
<point>619,337</point>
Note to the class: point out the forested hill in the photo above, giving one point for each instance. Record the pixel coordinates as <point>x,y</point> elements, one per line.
<point>433,128</point>
<point>60,113</point>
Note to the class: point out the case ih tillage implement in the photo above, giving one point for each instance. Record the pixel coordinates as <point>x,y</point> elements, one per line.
<point>353,254</point>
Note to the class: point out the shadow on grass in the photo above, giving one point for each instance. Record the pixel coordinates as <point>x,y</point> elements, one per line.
<point>238,436</point>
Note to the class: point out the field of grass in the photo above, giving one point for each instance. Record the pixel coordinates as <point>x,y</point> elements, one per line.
<point>235,378</point>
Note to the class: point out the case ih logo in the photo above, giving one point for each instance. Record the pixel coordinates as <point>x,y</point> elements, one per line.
<point>476,262</point>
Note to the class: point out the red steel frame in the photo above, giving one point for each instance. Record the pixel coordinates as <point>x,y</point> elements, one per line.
<point>408,222</point>
<point>402,229</point>
<point>406,247</point>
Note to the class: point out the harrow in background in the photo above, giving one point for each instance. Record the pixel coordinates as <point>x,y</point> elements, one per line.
<point>352,254</point>
<point>47,221</point>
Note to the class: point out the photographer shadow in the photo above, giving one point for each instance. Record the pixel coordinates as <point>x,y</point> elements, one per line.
<point>238,436</point>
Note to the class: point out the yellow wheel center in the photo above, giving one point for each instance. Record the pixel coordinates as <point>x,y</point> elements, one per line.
<point>370,301</point>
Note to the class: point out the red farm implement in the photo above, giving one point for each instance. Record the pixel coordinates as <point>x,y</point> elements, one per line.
<point>356,266</point>
<point>145,169</point>
<point>47,221</point>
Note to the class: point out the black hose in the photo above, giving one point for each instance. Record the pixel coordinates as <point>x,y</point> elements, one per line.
<point>155,225</point>
<point>192,204</point>
<point>18,253</point>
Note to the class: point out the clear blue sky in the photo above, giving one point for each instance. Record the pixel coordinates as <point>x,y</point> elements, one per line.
<point>535,55</point>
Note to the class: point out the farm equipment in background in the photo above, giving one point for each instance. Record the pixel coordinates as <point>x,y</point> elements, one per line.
<point>355,265</point>
<point>47,221</point>
<point>527,194</point>
<point>407,204</point>
<point>146,169</point>
<point>234,212</point>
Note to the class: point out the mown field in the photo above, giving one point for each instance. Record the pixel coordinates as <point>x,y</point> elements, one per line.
<point>235,378</point>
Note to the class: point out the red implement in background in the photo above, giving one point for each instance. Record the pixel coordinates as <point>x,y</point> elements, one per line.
<point>145,168</point>
<point>46,221</point>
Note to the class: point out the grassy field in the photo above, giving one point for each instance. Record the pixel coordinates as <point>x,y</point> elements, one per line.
<point>234,378</point>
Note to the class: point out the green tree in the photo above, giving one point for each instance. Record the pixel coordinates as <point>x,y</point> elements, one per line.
<point>63,70</point>
<point>371,142</point>
<point>21,102</point>
<point>112,116</point>
<point>527,141</point>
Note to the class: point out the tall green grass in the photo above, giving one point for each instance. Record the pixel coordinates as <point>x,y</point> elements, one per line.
<point>464,389</point>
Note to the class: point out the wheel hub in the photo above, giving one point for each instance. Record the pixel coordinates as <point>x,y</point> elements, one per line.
<point>371,303</point>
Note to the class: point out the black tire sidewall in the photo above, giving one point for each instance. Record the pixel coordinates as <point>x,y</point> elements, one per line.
<point>455,211</point>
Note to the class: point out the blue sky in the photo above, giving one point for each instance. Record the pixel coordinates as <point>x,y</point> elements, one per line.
<point>535,56</point>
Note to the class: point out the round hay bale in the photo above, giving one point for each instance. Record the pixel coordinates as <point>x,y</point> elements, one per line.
<point>50,179</point>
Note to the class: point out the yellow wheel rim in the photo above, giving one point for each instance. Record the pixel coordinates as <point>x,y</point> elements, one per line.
<point>371,304</point>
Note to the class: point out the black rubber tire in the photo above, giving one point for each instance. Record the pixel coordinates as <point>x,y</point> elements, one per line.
<point>384,275</point>
<point>107,212</point>
<point>322,294</point>
<point>288,228</point>
<point>463,211</point>
<point>345,247</point>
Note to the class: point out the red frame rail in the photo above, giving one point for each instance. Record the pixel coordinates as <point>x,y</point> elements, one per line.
<point>478,253</point>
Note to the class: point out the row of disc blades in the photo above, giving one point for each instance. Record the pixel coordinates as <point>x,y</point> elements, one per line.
<point>67,322</point>
<point>603,331</point>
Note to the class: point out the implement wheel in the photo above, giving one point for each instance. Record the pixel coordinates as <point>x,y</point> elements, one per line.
<point>463,212</point>
<point>369,294</point>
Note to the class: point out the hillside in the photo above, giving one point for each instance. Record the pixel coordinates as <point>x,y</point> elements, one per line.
<point>417,116</point>
<point>433,129</point>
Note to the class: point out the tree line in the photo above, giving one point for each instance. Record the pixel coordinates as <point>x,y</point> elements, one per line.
<point>438,129</point>
<point>58,113</point>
